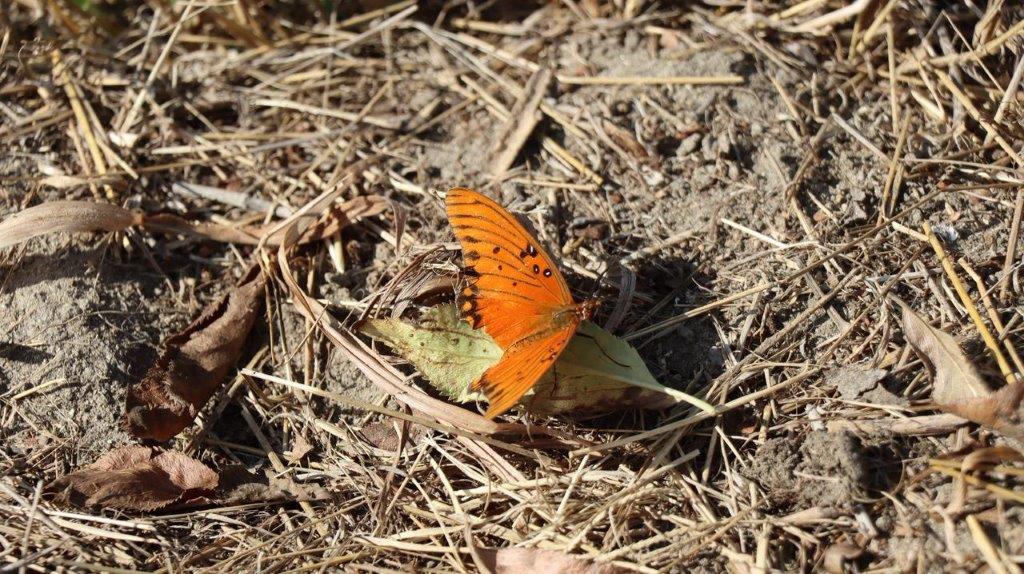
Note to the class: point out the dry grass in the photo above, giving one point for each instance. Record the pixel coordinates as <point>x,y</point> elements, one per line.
<point>887,116</point>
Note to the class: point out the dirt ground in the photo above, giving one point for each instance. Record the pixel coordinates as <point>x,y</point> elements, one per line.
<point>689,194</point>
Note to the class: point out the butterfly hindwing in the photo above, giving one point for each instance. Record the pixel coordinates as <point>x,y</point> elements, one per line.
<point>522,365</point>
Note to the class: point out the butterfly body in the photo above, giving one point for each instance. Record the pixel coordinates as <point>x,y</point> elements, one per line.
<point>515,293</point>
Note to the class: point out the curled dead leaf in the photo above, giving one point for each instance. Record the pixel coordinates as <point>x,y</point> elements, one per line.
<point>143,478</point>
<point>837,555</point>
<point>136,478</point>
<point>194,363</point>
<point>1003,410</point>
<point>958,388</point>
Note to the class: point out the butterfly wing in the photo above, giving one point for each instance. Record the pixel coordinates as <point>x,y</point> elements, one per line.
<point>522,365</point>
<point>516,294</point>
<point>515,288</point>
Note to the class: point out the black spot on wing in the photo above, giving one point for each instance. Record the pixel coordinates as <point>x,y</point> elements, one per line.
<point>506,241</point>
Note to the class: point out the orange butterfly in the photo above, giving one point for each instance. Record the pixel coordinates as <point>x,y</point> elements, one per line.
<point>516,294</point>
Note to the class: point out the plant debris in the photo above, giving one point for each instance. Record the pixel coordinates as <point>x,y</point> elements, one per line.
<point>194,363</point>
<point>958,388</point>
<point>137,478</point>
<point>144,479</point>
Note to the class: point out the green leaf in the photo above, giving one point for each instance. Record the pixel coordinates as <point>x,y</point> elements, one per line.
<point>597,372</point>
<point>445,349</point>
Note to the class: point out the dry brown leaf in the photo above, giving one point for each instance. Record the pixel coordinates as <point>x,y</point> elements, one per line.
<point>1002,410</point>
<point>536,561</point>
<point>80,216</point>
<point>385,434</point>
<point>145,478</point>
<point>239,486</point>
<point>137,478</point>
<point>300,448</point>
<point>956,378</point>
<point>194,363</point>
<point>837,555</point>
<point>625,140</point>
<point>67,217</point>
<point>958,387</point>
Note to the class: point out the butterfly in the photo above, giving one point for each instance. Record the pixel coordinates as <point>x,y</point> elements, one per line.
<point>515,294</point>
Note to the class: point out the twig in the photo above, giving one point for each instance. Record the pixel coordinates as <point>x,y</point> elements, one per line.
<point>651,80</point>
<point>965,298</point>
<point>993,315</point>
<point>1011,244</point>
<point>522,119</point>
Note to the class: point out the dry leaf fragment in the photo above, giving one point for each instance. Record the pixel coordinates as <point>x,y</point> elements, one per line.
<point>516,560</point>
<point>958,387</point>
<point>956,378</point>
<point>837,555</point>
<point>300,448</point>
<point>625,140</point>
<point>194,363</point>
<point>859,383</point>
<point>145,478</point>
<point>385,434</point>
<point>137,478</point>
<point>1002,410</point>
<point>64,216</point>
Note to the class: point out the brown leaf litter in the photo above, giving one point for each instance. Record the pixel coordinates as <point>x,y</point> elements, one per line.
<point>859,383</point>
<point>137,478</point>
<point>194,363</point>
<point>146,479</point>
<point>958,387</point>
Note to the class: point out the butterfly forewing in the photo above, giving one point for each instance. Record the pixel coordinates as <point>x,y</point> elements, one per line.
<point>514,285</point>
<point>516,294</point>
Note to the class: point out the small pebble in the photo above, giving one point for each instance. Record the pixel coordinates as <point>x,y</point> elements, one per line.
<point>722,144</point>
<point>689,144</point>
